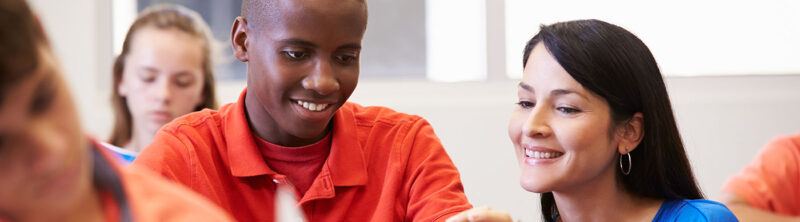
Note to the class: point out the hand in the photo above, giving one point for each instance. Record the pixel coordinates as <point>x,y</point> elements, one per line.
<point>479,215</point>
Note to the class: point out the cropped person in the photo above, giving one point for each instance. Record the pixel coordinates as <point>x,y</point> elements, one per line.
<point>594,132</point>
<point>49,170</point>
<point>768,189</point>
<point>164,71</point>
<point>292,125</point>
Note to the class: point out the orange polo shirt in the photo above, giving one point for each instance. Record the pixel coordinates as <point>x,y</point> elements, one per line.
<point>383,166</point>
<point>147,196</point>
<point>771,181</point>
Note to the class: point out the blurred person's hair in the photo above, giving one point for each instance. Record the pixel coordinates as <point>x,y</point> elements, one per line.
<point>616,65</point>
<point>21,41</point>
<point>164,17</point>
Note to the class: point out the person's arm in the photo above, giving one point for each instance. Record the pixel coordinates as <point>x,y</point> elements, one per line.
<point>745,212</point>
<point>767,188</point>
<point>434,185</point>
<point>481,214</point>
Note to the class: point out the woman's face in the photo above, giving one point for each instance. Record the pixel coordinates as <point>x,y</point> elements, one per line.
<point>162,78</point>
<point>560,130</point>
<point>44,158</point>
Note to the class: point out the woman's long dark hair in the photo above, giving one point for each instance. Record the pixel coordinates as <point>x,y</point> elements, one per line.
<point>615,64</point>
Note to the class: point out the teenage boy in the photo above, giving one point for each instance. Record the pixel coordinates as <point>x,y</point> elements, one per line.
<point>293,125</point>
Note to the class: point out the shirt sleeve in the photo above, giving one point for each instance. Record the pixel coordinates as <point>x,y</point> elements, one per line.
<point>435,189</point>
<point>166,155</point>
<point>772,180</point>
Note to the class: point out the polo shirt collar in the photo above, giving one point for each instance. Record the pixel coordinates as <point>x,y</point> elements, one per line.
<point>244,157</point>
<point>346,159</point>
<point>345,162</point>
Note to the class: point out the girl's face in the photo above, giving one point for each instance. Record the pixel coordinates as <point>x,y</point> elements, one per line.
<point>162,78</point>
<point>44,158</point>
<point>562,133</point>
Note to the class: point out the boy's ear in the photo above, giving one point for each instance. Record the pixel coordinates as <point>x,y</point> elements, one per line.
<point>239,41</point>
<point>631,133</point>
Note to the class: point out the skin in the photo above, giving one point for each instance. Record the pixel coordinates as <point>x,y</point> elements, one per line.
<point>44,157</point>
<point>557,114</point>
<point>162,80</point>
<point>745,212</point>
<point>308,52</point>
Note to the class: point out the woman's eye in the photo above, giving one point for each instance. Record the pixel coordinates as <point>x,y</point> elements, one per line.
<point>526,104</point>
<point>568,110</point>
<point>294,55</point>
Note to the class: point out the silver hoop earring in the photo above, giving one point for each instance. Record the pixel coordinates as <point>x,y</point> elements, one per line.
<point>630,163</point>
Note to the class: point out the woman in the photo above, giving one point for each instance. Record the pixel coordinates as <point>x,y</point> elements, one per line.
<point>595,134</point>
<point>50,170</point>
<point>164,71</point>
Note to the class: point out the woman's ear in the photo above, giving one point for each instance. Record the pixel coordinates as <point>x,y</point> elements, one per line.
<point>239,34</point>
<point>631,133</point>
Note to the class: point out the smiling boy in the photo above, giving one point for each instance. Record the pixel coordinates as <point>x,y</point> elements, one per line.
<point>293,125</point>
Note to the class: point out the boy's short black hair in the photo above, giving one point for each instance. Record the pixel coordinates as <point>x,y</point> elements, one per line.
<point>256,12</point>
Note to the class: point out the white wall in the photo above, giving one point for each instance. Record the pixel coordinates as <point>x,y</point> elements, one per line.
<point>80,33</point>
<point>687,37</point>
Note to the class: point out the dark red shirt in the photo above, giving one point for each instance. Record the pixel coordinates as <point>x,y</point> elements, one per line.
<point>301,165</point>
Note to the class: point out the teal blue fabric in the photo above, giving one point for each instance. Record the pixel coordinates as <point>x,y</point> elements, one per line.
<point>693,210</point>
<point>123,156</point>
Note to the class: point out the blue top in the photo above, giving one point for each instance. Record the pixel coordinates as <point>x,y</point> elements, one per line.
<point>693,210</point>
<point>124,157</point>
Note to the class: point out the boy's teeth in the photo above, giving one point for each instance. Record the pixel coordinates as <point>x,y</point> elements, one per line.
<point>312,106</point>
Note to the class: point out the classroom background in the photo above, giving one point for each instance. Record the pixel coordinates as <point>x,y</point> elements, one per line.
<point>732,69</point>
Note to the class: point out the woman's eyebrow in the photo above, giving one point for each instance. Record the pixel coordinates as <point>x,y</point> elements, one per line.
<point>525,87</point>
<point>559,92</point>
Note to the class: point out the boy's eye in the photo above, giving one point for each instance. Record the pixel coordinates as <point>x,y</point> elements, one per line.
<point>346,59</point>
<point>43,98</point>
<point>41,102</point>
<point>294,55</point>
<point>526,104</point>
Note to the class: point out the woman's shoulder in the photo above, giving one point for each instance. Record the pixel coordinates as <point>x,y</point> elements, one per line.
<point>694,210</point>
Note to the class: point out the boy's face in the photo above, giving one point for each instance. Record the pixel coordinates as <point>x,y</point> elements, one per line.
<point>302,62</point>
<point>44,160</point>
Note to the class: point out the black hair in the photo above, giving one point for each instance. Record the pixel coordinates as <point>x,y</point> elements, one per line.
<point>258,12</point>
<point>616,65</point>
